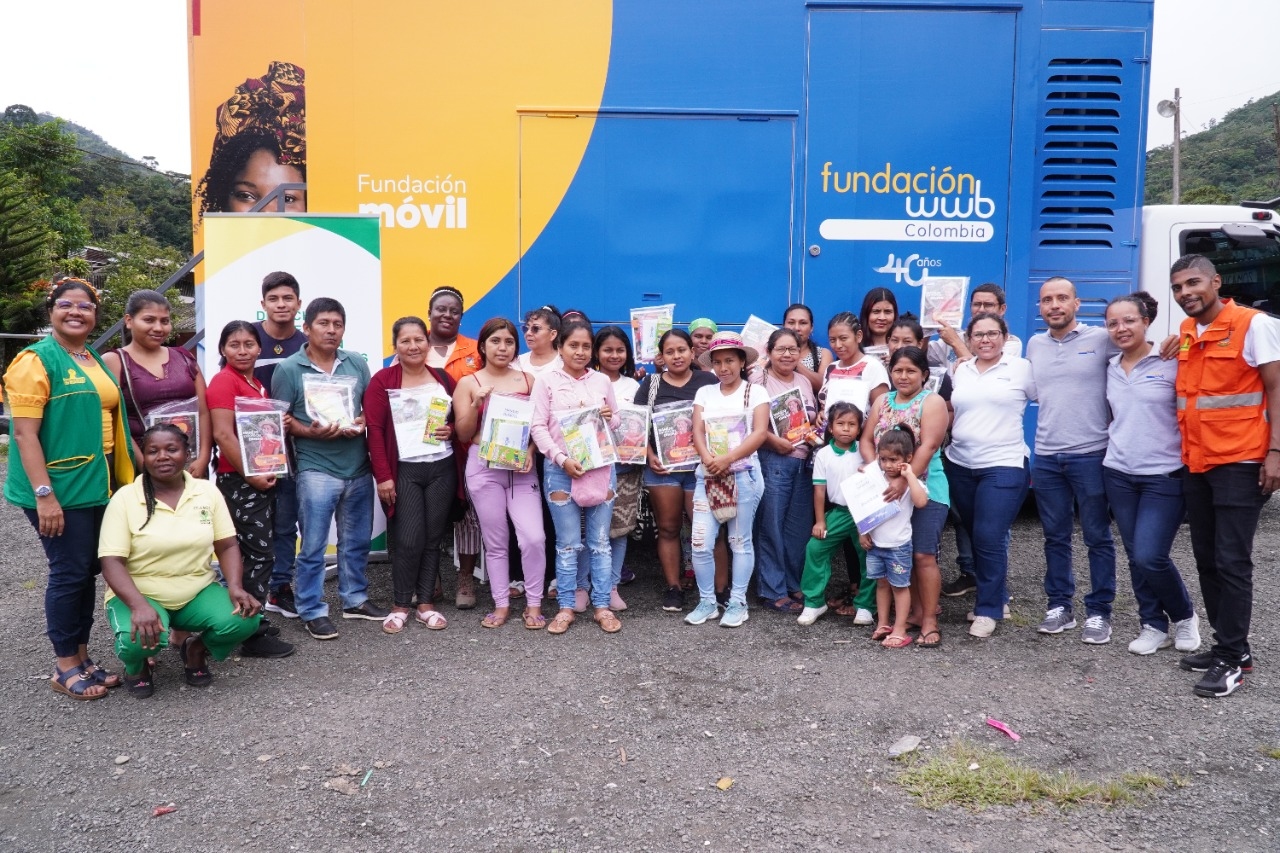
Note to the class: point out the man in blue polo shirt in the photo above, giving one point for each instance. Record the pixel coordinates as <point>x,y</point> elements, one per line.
<point>1069,363</point>
<point>334,477</point>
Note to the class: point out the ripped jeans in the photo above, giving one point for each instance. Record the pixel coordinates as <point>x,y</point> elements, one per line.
<point>567,517</point>
<point>706,528</point>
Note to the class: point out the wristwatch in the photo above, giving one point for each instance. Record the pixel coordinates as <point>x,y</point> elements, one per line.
<point>44,491</point>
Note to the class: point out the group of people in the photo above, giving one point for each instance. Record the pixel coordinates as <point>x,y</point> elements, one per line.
<point>1127,428</point>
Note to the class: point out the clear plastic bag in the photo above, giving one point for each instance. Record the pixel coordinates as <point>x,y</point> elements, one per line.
<point>185,415</point>
<point>261,434</point>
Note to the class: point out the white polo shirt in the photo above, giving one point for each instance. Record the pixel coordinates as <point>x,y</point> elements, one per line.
<point>987,431</point>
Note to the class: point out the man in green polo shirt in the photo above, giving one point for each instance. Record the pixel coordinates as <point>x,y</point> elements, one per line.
<point>323,386</point>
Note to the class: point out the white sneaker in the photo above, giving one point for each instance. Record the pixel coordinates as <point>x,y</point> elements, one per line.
<point>864,617</point>
<point>1186,634</point>
<point>810,615</point>
<point>971,615</point>
<point>1150,640</point>
<point>983,626</point>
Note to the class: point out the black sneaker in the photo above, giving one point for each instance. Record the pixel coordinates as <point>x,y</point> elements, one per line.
<point>322,628</point>
<point>673,599</point>
<point>266,646</point>
<point>962,585</point>
<point>281,601</point>
<point>1222,679</point>
<point>1202,661</point>
<point>368,610</point>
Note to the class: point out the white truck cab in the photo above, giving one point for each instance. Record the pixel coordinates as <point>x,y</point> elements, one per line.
<point>1242,241</point>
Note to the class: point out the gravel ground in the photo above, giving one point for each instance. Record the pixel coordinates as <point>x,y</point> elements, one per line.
<point>515,740</point>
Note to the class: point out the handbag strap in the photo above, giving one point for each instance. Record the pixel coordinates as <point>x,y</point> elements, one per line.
<point>654,382</point>
<point>128,381</point>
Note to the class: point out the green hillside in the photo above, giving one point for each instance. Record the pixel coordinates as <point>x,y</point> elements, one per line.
<point>1232,161</point>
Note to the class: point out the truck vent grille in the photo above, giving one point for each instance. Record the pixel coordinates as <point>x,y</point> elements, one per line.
<point>1075,190</point>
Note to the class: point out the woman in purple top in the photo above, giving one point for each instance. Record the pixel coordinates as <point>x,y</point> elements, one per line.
<point>1142,473</point>
<point>152,374</point>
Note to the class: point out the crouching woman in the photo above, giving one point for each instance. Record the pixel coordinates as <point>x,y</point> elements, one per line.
<point>158,535</point>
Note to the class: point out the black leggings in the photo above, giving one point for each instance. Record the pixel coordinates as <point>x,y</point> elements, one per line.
<point>254,514</point>
<point>424,496</point>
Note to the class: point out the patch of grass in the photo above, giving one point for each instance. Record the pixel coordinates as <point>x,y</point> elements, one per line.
<point>1270,751</point>
<point>946,779</point>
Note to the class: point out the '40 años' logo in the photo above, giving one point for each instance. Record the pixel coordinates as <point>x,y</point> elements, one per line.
<point>901,270</point>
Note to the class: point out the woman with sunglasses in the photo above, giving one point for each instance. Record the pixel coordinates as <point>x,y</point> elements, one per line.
<point>542,337</point>
<point>70,449</point>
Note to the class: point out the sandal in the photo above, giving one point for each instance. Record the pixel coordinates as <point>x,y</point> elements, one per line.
<point>465,599</point>
<point>845,609</point>
<point>76,683</point>
<point>923,640</point>
<point>198,675</point>
<point>101,676</point>
<point>896,641</point>
<point>608,621</point>
<point>561,622</point>
<point>493,620</point>
<point>880,633</point>
<point>796,596</point>
<point>141,685</point>
<point>433,619</point>
<point>784,605</point>
<point>534,621</point>
<point>516,589</point>
<point>394,622</point>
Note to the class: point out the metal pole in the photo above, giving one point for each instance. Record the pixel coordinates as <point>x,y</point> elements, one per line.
<point>1275,116</point>
<point>1177,145</point>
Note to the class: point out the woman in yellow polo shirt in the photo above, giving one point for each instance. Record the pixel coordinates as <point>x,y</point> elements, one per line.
<point>158,535</point>
<point>68,447</point>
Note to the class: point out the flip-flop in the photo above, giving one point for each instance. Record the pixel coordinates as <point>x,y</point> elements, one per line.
<point>936,644</point>
<point>493,620</point>
<point>896,642</point>
<point>534,622</point>
<point>791,605</point>
<point>880,633</point>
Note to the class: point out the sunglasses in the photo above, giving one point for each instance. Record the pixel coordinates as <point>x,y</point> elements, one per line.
<point>533,328</point>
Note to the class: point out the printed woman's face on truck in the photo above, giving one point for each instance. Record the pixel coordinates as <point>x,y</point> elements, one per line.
<point>260,175</point>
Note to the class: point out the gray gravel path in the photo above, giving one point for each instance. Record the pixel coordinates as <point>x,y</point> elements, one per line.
<point>516,740</point>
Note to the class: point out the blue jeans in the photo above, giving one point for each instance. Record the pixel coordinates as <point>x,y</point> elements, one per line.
<point>999,491</point>
<point>1148,511</point>
<point>890,564</point>
<point>783,523</point>
<point>617,555</point>
<point>567,517</point>
<point>285,533</point>
<point>706,529</point>
<point>1065,482</point>
<point>71,594</point>
<point>321,498</point>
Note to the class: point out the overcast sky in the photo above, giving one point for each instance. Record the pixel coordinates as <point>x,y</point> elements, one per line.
<point>120,67</point>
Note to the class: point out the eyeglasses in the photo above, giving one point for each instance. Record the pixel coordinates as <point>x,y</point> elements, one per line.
<point>67,305</point>
<point>533,328</point>
<point>1123,321</point>
<point>984,307</point>
<point>983,336</point>
<point>786,350</point>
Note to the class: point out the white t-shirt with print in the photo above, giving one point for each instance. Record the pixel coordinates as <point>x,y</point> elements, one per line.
<point>832,466</point>
<point>715,403</point>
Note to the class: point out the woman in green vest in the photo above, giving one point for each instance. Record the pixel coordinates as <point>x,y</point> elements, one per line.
<point>68,449</point>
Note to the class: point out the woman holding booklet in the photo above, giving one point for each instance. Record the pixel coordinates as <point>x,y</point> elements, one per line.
<point>406,409</point>
<point>571,406</point>
<point>786,508</point>
<point>730,422</point>
<point>247,427</point>
<point>500,479</point>
<point>922,411</point>
<point>670,483</point>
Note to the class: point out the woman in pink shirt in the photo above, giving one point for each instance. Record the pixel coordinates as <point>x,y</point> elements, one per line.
<point>571,490</point>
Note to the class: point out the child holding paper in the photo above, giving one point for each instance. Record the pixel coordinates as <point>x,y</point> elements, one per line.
<point>833,526</point>
<point>888,545</point>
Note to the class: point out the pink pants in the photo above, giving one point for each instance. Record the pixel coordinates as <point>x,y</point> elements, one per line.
<point>496,494</point>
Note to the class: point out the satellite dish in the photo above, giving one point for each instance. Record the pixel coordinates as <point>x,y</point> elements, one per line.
<point>1167,108</point>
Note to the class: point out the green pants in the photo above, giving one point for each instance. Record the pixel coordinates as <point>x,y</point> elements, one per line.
<point>208,614</point>
<point>817,562</point>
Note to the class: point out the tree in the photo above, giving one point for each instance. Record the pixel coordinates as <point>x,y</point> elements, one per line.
<point>138,262</point>
<point>26,253</point>
<point>1205,194</point>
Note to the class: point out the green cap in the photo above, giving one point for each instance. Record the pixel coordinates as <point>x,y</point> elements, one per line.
<point>703,323</point>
